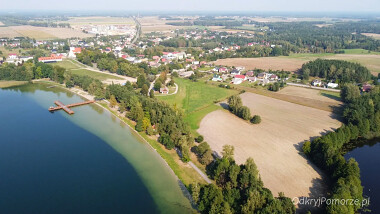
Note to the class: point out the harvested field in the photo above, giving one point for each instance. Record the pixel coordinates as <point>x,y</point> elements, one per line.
<point>153,23</point>
<point>266,63</point>
<point>60,33</point>
<point>294,62</point>
<point>41,32</point>
<point>100,20</point>
<point>275,143</point>
<point>8,32</point>
<point>373,35</point>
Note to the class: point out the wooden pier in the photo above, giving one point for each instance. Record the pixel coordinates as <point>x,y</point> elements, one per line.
<point>66,108</point>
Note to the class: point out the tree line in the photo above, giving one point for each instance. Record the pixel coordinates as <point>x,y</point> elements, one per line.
<point>339,71</point>
<point>362,120</point>
<point>238,189</point>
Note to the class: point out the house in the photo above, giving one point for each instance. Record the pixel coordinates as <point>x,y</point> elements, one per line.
<point>261,76</point>
<point>164,90</point>
<point>185,74</point>
<point>223,70</point>
<point>263,81</point>
<point>249,73</point>
<point>367,88</point>
<point>74,51</point>
<point>154,64</point>
<point>316,82</point>
<point>273,77</point>
<point>216,78</point>
<point>50,59</point>
<point>235,72</point>
<point>238,79</point>
<point>12,56</point>
<point>252,79</point>
<point>332,85</point>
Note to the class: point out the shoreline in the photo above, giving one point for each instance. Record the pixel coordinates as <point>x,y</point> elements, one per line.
<point>87,96</point>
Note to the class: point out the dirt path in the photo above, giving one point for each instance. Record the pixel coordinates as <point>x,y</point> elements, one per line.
<point>275,143</point>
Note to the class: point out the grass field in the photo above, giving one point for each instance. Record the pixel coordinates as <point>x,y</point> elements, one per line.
<point>7,84</point>
<point>78,69</point>
<point>275,143</point>
<point>93,74</point>
<point>196,99</point>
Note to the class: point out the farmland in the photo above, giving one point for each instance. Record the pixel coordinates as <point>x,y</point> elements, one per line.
<point>274,144</point>
<point>41,32</point>
<point>373,35</point>
<point>99,20</point>
<point>266,63</point>
<point>294,62</point>
<point>153,23</point>
<point>196,99</point>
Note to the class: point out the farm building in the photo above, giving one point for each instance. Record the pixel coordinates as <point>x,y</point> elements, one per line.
<point>50,59</point>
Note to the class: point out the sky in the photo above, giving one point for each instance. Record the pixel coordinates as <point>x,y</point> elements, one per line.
<point>195,5</point>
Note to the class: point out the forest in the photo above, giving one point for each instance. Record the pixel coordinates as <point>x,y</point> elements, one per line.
<point>238,189</point>
<point>362,120</point>
<point>339,71</point>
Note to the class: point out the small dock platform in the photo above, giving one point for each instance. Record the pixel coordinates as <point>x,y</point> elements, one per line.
<point>66,108</point>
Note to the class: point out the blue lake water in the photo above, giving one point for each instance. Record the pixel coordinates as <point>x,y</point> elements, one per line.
<point>89,162</point>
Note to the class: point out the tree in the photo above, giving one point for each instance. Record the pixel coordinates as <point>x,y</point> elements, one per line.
<point>151,93</point>
<point>244,113</point>
<point>157,85</point>
<point>139,126</point>
<point>228,151</point>
<point>144,90</point>
<point>349,92</point>
<point>113,101</point>
<point>141,80</point>
<point>256,119</point>
<point>306,74</point>
<point>234,103</point>
<point>199,139</point>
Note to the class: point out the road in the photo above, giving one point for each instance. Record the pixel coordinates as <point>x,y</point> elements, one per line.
<point>313,87</point>
<point>204,176</point>
<point>138,30</point>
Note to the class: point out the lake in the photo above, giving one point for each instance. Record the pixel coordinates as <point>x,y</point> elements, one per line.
<point>367,155</point>
<point>89,162</point>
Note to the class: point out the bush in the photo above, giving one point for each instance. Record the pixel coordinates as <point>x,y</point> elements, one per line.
<point>199,139</point>
<point>306,147</point>
<point>244,113</point>
<point>149,131</point>
<point>139,126</point>
<point>256,119</point>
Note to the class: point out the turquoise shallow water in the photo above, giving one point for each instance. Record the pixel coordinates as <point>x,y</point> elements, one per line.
<point>89,162</point>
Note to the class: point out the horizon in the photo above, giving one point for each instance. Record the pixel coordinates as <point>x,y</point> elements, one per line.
<point>198,6</point>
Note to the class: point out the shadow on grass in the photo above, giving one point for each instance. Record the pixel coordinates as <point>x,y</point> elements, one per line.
<point>331,96</point>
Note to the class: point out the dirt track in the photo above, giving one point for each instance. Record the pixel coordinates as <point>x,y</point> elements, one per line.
<point>274,144</point>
